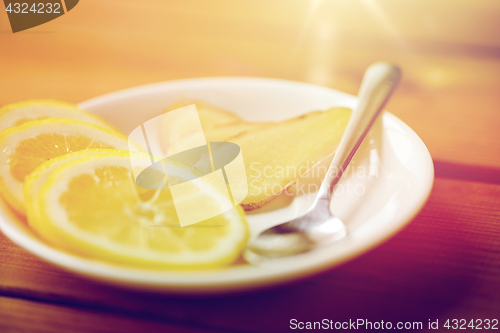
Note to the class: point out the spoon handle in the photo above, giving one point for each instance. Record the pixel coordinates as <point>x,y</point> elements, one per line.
<point>379,82</point>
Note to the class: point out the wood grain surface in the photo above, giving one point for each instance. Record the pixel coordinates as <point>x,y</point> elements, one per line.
<point>20,315</point>
<point>445,264</point>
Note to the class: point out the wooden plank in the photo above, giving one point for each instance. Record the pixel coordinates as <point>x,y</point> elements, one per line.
<point>447,95</point>
<point>467,172</point>
<point>445,264</point>
<point>18,315</point>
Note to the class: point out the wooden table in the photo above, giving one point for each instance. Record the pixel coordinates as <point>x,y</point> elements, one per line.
<point>445,264</point>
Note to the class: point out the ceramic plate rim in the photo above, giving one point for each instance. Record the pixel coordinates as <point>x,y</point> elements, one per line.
<point>213,281</point>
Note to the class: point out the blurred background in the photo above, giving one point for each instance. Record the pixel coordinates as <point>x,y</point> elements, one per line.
<point>449,51</point>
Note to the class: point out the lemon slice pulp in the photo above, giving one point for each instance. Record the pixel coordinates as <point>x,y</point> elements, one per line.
<point>92,206</point>
<point>25,147</point>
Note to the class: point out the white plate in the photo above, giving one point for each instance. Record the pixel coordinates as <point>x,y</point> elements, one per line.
<point>374,206</point>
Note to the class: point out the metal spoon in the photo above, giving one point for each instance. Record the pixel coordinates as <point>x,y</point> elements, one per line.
<point>318,226</point>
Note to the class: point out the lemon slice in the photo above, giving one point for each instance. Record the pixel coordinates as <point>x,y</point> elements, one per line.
<point>16,114</point>
<point>25,147</point>
<point>92,206</point>
<point>36,179</point>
